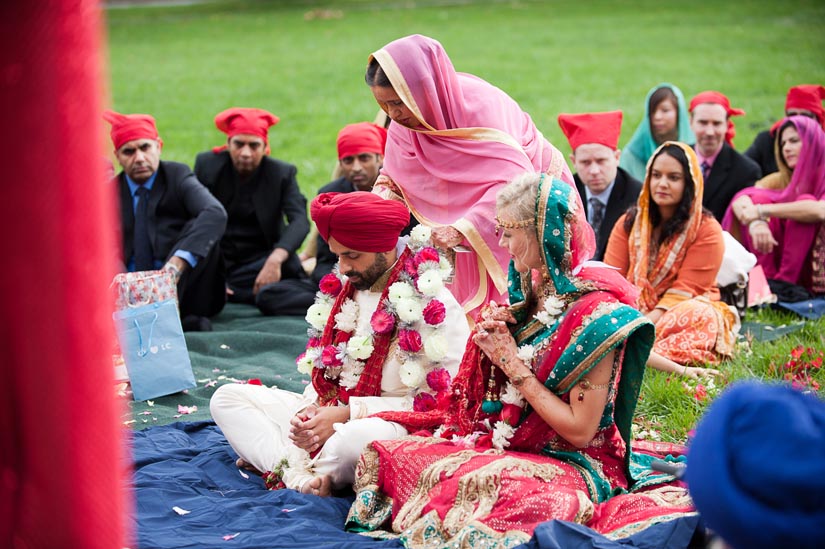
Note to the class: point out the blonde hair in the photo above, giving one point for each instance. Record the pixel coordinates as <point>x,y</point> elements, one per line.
<point>518,197</point>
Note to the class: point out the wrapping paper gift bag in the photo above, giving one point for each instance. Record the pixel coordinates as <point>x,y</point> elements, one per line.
<point>154,349</point>
<point>143,287</point>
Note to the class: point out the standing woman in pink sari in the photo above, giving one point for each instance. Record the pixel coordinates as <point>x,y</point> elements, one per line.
<point>781,218</point>
<point>454,142</point>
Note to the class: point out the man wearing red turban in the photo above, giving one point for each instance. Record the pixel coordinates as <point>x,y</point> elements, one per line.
<point>267,212</point>
<point>168,219</point>
<point>360,155</point>
<point>725,171</point>
<point>606,190</point>
<point>805,100</point>
<point>386,335</point>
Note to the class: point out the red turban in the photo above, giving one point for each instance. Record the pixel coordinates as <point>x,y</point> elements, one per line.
<point>808,97</point>
<point>363,137</point>
<point>359,220</point>
<point>718,99</point>
<point>239,120</point>
<point>128,127</point>
<point>603,128</point>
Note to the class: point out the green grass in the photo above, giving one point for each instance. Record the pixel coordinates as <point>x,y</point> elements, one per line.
<point>185,64</point>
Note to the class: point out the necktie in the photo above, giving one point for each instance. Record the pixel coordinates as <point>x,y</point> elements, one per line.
<point>705,170</point>
<point>144,261</point>
<point>598,214</point>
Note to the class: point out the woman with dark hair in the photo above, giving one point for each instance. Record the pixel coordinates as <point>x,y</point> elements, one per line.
<point>666,119</point>
<point>671,248</point>
<point>455,140</point>
<point>781,218</point>
<point>536,424</point>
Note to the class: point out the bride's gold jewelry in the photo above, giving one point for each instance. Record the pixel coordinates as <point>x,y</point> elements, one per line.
<point>585,385</point>
<point>513,224</point>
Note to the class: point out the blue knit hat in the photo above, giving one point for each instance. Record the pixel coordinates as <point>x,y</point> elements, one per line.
<point>756,467</point>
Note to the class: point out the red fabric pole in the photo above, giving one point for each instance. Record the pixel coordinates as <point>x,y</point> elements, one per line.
<point>60,459</point>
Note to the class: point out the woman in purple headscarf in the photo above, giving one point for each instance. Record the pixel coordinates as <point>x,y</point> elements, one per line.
<point>454,142</point>
<point>781,218</point>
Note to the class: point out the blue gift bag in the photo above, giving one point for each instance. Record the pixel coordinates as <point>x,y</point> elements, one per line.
<point>154,349</point>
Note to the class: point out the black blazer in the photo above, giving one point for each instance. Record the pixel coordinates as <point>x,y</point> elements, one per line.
<point>625,192</point>
<point>277,197</point>
<point>761,151</point>
<point>183,215</point>
<point>731,173</point>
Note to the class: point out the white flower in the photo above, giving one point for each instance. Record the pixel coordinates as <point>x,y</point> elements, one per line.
<point>544,318</point>
<point>318,314</point>
<point>430,283</point>
<point>399,291</point>
<point>435,347</point>
<point>347,317</point>
<point>553,305</point>
<point>526,352</point>
<point>502,433</point>
<point>412,374</point>
<point>444,268</point>
<point>420,236</point>
<point>360,347</point>
<point>350,376</point>
<point>409,309</point>
<point>438,432</point>
<point>308,360</point>
<point>468,441</point>
<point>512,395</point>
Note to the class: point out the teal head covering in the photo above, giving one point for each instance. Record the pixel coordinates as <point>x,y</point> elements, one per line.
<point>641,146</point>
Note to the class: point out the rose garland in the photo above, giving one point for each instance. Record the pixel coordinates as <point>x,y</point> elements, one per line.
<point>410,299</point>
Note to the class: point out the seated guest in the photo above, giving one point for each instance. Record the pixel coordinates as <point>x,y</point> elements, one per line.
<point>725,171</point>
<point>267,212</point>
<point>781,219</point>
<point>360,153</point>
<point>733,472</point>
<point>666,119</point>
<point>606,190</point>
<point>804,100</point>
<point>168,219</point>
<point>672,248</point>
<point>537,423</point>
<point>382,337</point>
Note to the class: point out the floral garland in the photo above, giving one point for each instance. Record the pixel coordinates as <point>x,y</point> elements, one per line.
<point>409,300</point>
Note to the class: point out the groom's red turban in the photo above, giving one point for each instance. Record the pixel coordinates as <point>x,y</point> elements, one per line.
<point>361,221</point>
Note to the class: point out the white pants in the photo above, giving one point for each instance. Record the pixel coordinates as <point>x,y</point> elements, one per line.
<point>255,421</point>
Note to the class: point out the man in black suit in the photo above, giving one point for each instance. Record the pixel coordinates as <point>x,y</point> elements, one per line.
<point>606,190</point>
<point>267,212</point>
<point>168,219</point>
<point>725,171</point>
<point>360,156</point>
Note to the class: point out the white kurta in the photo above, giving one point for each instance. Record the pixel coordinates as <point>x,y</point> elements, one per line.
<point>255,419</point>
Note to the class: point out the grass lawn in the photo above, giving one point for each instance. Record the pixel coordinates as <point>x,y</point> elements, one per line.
<point>304,62</point>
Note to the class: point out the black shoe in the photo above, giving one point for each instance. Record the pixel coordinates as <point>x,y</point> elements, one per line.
<point>194,323</point>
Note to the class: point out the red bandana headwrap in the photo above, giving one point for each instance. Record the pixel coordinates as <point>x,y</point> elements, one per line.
<point>359,220</point>
<point>808,97</point>
<point>718,98</point>
<point>363,137</point>
<point>241,120</point>
<point>128,127</point>
<point>603,128</point>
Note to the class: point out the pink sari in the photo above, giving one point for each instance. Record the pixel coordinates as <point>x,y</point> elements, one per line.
<point>792,260</point>
<point>475,138</point>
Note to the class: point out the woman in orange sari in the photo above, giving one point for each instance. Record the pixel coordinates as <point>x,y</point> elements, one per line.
<point>671,248</point>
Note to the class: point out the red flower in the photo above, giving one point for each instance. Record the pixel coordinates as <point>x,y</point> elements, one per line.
<point>254,381</point>
<point>797,351</point>
<point>411,267</point>
<point>510,413</point>
<point>424,402</point>
<point>313,342</point>
<point>329,358</point>
<point>439,380</point>
<point>330,285</point>
<point>434,312</point>
<point>382,322</point>
<point>409,340</point>
<point>701,394</point>
<point>426,254</point>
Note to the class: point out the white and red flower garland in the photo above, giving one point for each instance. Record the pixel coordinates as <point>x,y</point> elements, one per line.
<point>410,299</point>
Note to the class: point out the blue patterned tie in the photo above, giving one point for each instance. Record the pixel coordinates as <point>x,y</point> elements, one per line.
<point>144,260</point>
<point>705,171</point>
<point>598,214</point>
